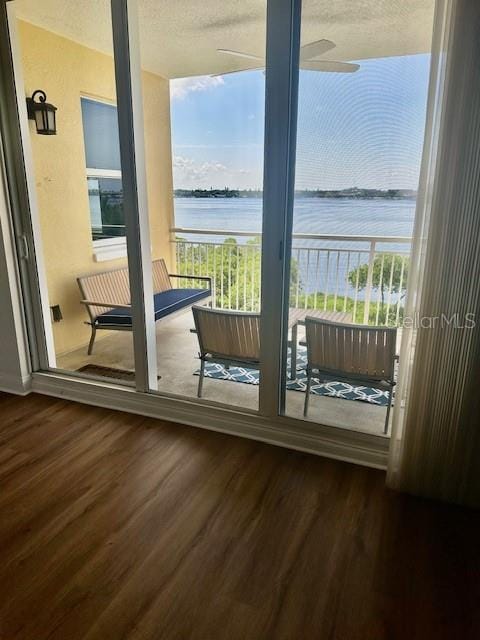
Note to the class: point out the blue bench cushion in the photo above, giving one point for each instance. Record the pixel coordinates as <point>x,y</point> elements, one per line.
<point>165,303</point>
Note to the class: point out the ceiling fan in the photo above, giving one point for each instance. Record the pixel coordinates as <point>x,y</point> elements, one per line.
<point>308,59</point>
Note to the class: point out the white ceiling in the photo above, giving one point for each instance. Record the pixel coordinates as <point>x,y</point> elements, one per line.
<point>179,38</point>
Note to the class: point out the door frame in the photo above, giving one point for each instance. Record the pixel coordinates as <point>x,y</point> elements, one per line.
<point>281,104</point>
<point>283,25</point>
<point>22,193</point>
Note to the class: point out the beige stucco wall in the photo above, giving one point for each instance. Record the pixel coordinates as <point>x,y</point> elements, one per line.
<point>65,70</point>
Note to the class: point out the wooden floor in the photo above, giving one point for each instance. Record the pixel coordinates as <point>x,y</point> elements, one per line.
<point>114,526</point>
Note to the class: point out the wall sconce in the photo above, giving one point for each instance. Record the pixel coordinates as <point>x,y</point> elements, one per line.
<point>43,113</point>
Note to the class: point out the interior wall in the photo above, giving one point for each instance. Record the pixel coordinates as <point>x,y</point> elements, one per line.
<point>65,70</point>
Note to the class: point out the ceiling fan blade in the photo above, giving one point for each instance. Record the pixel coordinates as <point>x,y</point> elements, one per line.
<point>330,66</point>
<point>226,73</point>
<point>239,54</point>
<point>315,49</point>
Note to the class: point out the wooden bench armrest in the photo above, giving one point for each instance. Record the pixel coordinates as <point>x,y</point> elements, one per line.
<point>178,275</point>
<point>90,303</point>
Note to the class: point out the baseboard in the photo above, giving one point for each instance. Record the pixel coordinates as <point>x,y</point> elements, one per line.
<point>18,385</point>
<point>339,444</point>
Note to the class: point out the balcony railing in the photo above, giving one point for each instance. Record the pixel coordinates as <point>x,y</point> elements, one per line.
<point>363,275</point>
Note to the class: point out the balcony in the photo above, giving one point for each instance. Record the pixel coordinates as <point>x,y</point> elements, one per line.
<point>363,276</point>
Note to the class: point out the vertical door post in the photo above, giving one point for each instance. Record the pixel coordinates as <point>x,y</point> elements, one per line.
<point>281,98</point>
<point>132,155</point>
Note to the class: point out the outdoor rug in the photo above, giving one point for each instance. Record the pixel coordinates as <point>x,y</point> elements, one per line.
<point>332,389</point>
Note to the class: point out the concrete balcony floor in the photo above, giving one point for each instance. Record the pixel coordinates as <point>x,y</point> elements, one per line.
<point>177,357</point>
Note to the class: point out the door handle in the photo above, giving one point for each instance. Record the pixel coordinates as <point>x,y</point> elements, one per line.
<point>23,247</point>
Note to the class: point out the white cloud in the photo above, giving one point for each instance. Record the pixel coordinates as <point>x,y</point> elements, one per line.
<point>192,174</point>
<point>196,174</point>
<point>179,162</point>
<point>181,87</point>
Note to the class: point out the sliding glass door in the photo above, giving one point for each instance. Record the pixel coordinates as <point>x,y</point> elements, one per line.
<point>147,197</point>
<point>80,218</point>
<point>362,103</point>
<point>203,82</point>
<point>223,177</point>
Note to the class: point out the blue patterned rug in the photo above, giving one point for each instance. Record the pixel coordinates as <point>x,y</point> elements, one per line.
<point>332,389</point>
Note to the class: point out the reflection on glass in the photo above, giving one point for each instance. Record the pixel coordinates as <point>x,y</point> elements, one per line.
<point>105,196</point>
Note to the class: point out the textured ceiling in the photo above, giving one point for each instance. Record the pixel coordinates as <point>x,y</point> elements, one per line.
<point>179,38</point>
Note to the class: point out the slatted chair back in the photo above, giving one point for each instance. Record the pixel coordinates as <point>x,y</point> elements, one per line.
<point>109,286</point>
<point>357,350</point>
<point>228,334</point>
<point>161,279</point>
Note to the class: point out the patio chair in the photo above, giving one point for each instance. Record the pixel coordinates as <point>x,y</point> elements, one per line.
<point>226,337</point>
<point>106,296</point>
<point>350,353</point>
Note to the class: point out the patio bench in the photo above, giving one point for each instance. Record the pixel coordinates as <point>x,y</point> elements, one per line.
<point>106,296</point>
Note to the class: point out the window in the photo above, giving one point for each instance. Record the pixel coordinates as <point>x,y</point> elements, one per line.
<point>106,207</point>
<point>104,178</point>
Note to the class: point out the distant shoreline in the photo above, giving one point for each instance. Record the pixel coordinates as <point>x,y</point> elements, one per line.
<point>350,194</point>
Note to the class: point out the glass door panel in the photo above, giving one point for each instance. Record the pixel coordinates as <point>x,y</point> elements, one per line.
<point>361,123</point>
<point>203,89</point>
<point>77,190</point>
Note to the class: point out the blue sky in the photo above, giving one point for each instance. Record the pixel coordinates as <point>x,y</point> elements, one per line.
<point>363,129</point>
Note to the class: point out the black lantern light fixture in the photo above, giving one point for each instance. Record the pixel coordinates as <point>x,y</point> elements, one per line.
<point>43,113</point>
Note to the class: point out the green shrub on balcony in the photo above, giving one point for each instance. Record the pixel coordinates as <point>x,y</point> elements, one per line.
<point>235,268</point>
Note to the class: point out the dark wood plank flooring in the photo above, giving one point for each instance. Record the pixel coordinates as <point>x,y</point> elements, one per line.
<point>115,526</point>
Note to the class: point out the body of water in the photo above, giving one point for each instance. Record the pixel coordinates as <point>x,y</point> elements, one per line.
<point>376,217</point>
<point>325,270</point>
